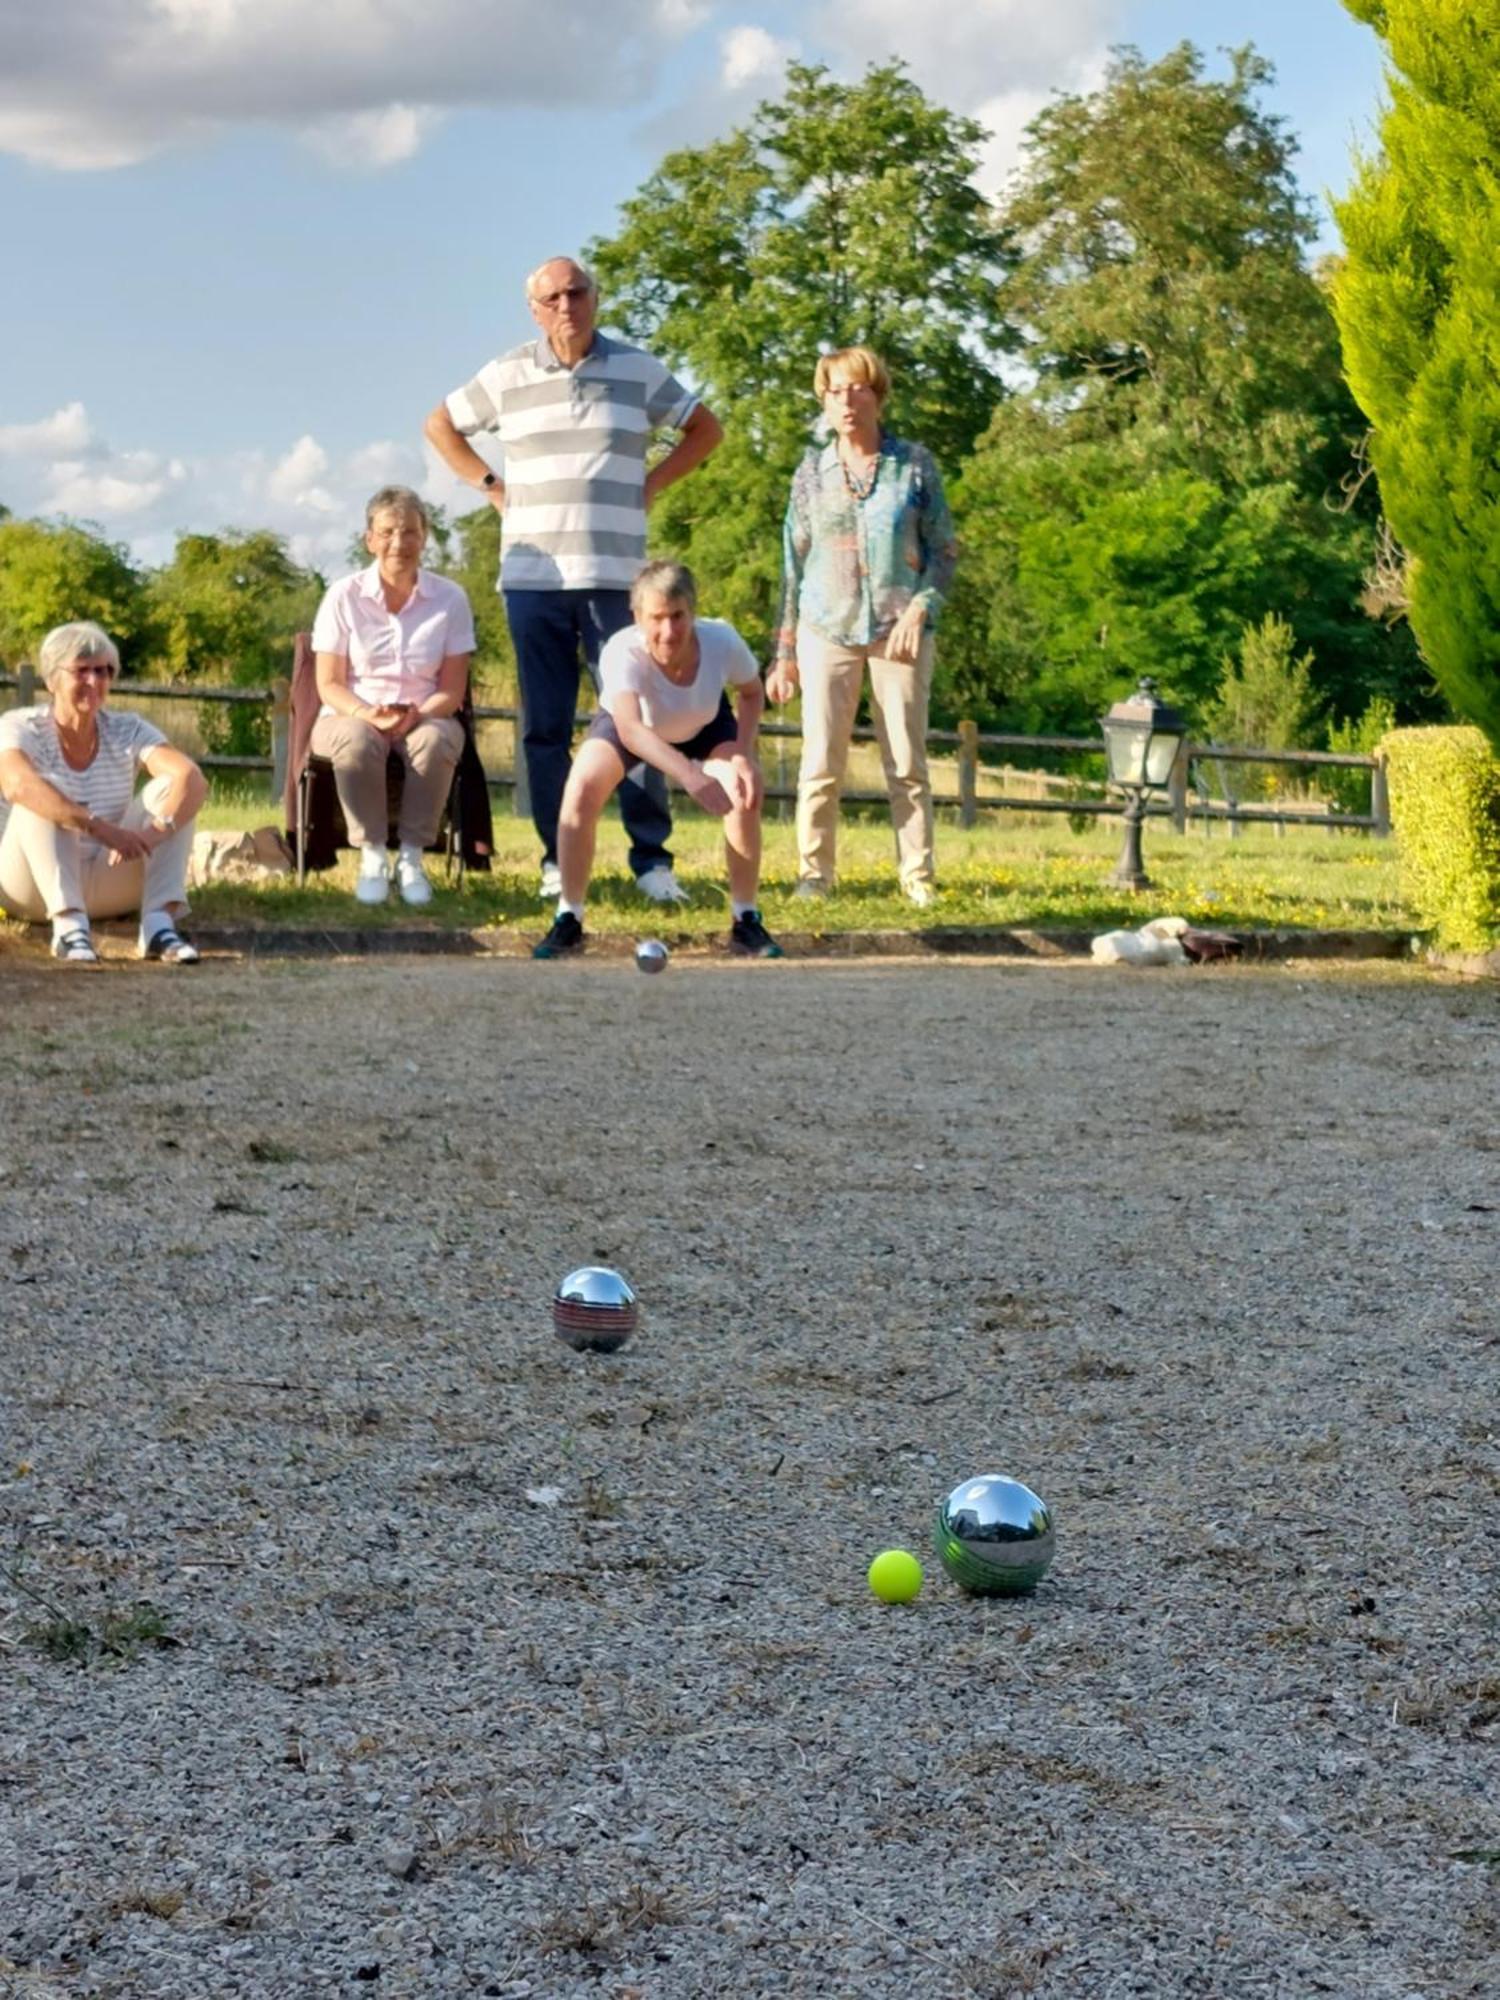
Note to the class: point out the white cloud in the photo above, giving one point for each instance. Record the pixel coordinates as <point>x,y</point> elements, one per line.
<point>101,83</point>
<point>970,52</point>
<point>750,55</point>
<point>372,139</point>
<point>66,429</point>
<point>314,497</point>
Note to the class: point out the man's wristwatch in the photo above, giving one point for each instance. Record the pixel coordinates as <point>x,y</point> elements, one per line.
<point>490,481</point>
<point>163,825</point>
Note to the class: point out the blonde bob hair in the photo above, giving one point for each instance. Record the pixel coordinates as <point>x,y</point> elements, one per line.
<point>860,364</point>
<point>82,640</point>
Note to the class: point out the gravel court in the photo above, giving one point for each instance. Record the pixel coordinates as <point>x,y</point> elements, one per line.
<point>1207,1257</point>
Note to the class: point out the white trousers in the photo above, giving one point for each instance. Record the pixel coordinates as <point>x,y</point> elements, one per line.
<point>44,868</point>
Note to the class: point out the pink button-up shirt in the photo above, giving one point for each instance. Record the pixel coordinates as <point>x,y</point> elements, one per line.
<point>394,656</point>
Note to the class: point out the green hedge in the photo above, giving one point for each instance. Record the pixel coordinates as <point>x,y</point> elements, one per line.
<point>1445,807</point>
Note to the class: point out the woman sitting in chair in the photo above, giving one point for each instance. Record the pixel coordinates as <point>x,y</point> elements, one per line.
<point>78,843</point>
<point>393,644</point>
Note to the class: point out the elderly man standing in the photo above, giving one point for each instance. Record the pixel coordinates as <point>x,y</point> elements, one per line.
<point>574,412</point>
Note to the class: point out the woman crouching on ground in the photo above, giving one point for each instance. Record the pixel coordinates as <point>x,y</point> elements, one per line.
<point>663,702</point>
<point>78,843</point>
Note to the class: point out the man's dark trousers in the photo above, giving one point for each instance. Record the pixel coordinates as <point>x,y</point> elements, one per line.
<point>551,630</point>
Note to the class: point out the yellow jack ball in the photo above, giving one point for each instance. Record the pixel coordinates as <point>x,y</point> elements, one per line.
<point>895,1576</point>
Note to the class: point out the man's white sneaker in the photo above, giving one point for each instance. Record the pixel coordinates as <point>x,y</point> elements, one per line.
<point>373,883</point>
<point>551,886</point>
<point>411,878</point>
<point>660,885</point>
<point>920,893</point>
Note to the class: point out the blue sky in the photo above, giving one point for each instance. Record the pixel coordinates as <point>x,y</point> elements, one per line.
<point>251,242</point>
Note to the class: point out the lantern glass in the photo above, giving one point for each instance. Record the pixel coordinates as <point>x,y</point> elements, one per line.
<point>1141,740</point>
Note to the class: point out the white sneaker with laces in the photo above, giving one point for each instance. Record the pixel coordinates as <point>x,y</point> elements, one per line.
<point>374,881</point>
<point>411,877</point>
<point>920,893</point>
<point>660,885</point>
<point>551,886</point>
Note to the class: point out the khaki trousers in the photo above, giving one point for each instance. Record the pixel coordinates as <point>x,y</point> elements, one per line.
<point>831,677</point>
<point>44,868</point>
<point>357,752</point>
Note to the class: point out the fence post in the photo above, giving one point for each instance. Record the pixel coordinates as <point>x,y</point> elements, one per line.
<point>281,733</point>
<point>520,791</point>
<point>1380,798</point>
<point>1177,787</point>
<point>968,773</point>
<point>25,684</point>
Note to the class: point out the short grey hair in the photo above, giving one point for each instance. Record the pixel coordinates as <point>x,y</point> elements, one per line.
<point>534,278</point>
<point>671,580</point>
<point>82,640</point>
<point>397,500</point>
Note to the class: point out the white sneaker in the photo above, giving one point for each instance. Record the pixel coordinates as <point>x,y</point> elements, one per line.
<point>551,886</point>
<point>811,889</point>
<point>411,877</point>
<point>374,880</point>
<point>660,885</point>
<point>920,893</point>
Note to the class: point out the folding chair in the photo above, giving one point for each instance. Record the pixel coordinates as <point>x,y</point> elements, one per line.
<point>316,828</point>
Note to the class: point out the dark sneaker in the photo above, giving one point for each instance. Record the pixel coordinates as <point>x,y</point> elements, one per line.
<point>565,936</point>
<point>170,946</point>
<point>749,937</point>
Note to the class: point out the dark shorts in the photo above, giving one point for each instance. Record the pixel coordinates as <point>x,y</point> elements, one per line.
<point>711,737</point>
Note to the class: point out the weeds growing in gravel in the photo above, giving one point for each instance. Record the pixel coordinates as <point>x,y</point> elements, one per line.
<point>114,1637</point>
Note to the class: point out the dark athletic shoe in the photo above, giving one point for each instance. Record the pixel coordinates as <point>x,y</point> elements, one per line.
<point>565,936</point>
<point>749,937</point>
<point>170,946</point>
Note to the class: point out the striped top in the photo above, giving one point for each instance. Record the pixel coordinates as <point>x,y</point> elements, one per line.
<point>108,785</point>
<point>575,458</point>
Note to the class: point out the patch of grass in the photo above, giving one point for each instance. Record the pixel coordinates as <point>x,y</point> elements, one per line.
<point>1007,871</point>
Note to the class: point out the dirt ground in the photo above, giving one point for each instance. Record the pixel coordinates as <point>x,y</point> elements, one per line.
<point>476,1666</point>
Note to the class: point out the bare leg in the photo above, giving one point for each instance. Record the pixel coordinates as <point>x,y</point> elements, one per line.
<point>742,853</point>
<point>595,775</point>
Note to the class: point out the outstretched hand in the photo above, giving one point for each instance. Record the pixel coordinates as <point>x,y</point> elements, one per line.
<point>706,791</point>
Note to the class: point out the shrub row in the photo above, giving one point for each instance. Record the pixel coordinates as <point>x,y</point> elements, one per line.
<point>1445,807</point>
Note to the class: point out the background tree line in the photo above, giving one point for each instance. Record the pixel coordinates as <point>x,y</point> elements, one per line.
<point>1127,369</point>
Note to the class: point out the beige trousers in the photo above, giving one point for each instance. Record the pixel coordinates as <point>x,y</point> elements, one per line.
<point>357,752</point>
<point>44,868</point>
<point>831,678</point>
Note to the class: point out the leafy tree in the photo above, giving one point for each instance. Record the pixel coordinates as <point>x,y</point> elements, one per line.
<point>471,556</point>
<point>1165,476</point>
<point>226,610</point>
<point>1266,693</point>
<point>52,573</point>
<point>842,213</point>
<point>1418,307</point>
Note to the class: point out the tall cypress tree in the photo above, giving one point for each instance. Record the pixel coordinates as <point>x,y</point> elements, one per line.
<point>1418,308</point>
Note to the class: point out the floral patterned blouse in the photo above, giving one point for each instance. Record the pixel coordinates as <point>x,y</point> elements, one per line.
<point>852,564</point>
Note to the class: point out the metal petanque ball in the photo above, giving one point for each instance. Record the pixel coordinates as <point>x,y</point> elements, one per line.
<point>995,1536</point>
<point>651,955</point>
<point>594,1308</point>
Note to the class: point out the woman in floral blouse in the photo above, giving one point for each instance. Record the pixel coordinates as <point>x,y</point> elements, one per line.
<point>869,554</point>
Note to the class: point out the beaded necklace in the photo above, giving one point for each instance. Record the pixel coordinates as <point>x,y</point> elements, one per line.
<point>860,487</point>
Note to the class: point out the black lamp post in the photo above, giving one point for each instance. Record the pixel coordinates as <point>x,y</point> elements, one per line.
<point>1141,740</point>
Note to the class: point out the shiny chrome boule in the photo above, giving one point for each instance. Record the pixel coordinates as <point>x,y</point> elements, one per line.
<point>594,1307</point>
<point>995,1536</point>
<point>651,955</point>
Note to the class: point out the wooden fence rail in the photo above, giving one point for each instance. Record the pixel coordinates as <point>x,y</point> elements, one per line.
<point>1187,799</point>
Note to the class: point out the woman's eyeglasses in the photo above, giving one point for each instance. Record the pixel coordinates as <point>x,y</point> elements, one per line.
<point>97,671</point>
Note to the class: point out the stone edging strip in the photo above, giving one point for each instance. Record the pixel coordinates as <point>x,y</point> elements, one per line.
<point>349,941</point>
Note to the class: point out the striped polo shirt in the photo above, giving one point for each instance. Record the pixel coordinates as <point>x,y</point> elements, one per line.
<point>575,458</point>
<point>107,783</point>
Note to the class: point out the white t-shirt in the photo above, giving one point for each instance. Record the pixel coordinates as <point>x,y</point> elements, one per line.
<point>676,713</point>
<point>108,785</point>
